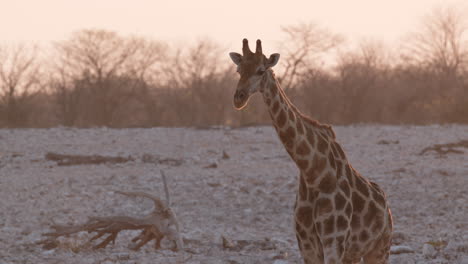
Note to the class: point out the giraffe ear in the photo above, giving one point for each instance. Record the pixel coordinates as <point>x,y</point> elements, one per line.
<point>235,57</point>
<point>273,60</point>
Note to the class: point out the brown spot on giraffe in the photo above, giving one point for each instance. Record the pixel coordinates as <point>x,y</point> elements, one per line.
<point>281,119</point>
<point>311,137</point>
<point>302,164</point>
<point>273,91</point>
<point>299,127</point>
<point>338,149</point>
<point>328,242</point>
<point>275,108</point>
<point>303,149</point>
<point>302,189</point>
<point>349,175</point>
<point>348,209</point>
<point>341,223</point>
<point>318,227</point>
<point>371,213</point>
<point>287,141</point>
<point>355,221</point>
<point>352,200</point>
<point>344,186</point>
<point>377,194</point>
<point>290,133</point>
<point>358,202</point>
<point>339,169</point>
<point>312,195</point>
<point>363,236</point>
<point>299,244</point>
<point>328,183</point>
<point>331,160</point>
<point>362,186</point>
<point>340,201</point>
<point>291,115</point>
<point>322,144</point>
<point>312,176</point>
<point>329,225</point>
<point>304,216</point>
<point>324,206</point>
<point>340,245</point>
<point>319,163</point>
<point>378,222</point>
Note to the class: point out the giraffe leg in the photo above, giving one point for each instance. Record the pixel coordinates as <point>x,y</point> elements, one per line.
<point>381,251</point>
<point>309,246</point>
<point>334,253</point>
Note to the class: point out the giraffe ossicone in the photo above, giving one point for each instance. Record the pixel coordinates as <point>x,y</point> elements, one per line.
<point>340,216</point>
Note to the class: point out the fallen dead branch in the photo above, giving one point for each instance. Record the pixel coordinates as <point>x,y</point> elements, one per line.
<point>443,149</point>
<point>160,223</point>
<point>68,160</point>
<point>149,158</point>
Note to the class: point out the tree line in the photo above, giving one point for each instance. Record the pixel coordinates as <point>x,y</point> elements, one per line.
<point>100,78</point>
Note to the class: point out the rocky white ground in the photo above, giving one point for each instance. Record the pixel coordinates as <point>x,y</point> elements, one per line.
<point>247,198</point>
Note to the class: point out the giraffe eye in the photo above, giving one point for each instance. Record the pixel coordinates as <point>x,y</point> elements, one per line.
<point>260,72</point>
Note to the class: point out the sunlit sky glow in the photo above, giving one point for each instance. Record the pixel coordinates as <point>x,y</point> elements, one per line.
<point>225,22</point>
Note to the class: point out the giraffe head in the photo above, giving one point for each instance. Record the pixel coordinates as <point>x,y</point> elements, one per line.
<point>251,67</point>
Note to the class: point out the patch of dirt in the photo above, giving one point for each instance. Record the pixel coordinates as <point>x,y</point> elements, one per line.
<point>236,211</point>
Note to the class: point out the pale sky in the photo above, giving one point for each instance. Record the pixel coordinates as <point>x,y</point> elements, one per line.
<point>226,22</point>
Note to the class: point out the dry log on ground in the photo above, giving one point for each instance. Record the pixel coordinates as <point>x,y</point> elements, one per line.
<point>443,149</point>
<point>68,160</point>
<point>161,222</point>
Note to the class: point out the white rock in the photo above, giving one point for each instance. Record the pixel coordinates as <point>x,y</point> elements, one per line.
<point>280,261</point>
<point>452,245</point>
<point>429,251</point>
<point>401,250</point>
<point>464,260</point>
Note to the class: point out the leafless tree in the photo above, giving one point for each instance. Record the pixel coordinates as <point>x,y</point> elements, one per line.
<point>441,42</point>
<point>364,79</point>
<point>19,82</point>
<point>105,70</point>
<point>196,73</point>
<point>303,49</point>
<point>439,52</point>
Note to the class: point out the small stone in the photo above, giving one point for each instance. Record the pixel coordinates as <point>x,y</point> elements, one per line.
<point>211,166</point>
<point>225,155</point>
<point>280,261</point>
<point>122,256</point>
<point>429,251</point>
<point>48,252</point>
<point>451,245</point>
<point>464,260</point>
<point>282,255</point>
<point>400,250</point>
<point>399,237</point>
<point>227,243</point>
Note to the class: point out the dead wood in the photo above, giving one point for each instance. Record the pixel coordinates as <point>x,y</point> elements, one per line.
<point>68,160</point>
<point>160,223</point>
<point>443,149</point>
<point>149,158</point>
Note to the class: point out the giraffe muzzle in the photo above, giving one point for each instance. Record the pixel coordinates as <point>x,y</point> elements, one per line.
<point>240,99</point>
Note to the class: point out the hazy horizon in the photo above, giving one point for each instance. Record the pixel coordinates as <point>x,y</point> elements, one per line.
<point>179,22</point>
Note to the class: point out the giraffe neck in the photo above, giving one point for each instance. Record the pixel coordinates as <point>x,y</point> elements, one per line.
<point>286,118</point>
<point>289,123</point>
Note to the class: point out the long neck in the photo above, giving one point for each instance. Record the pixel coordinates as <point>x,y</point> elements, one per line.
<point>286,118</point>
<point>304,139</point>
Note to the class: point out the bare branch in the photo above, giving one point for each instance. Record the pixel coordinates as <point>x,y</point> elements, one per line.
<point>303,48</point>
<point>155,226</point>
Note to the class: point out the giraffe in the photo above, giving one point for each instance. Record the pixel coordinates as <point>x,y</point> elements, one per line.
<point>340,216</point>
